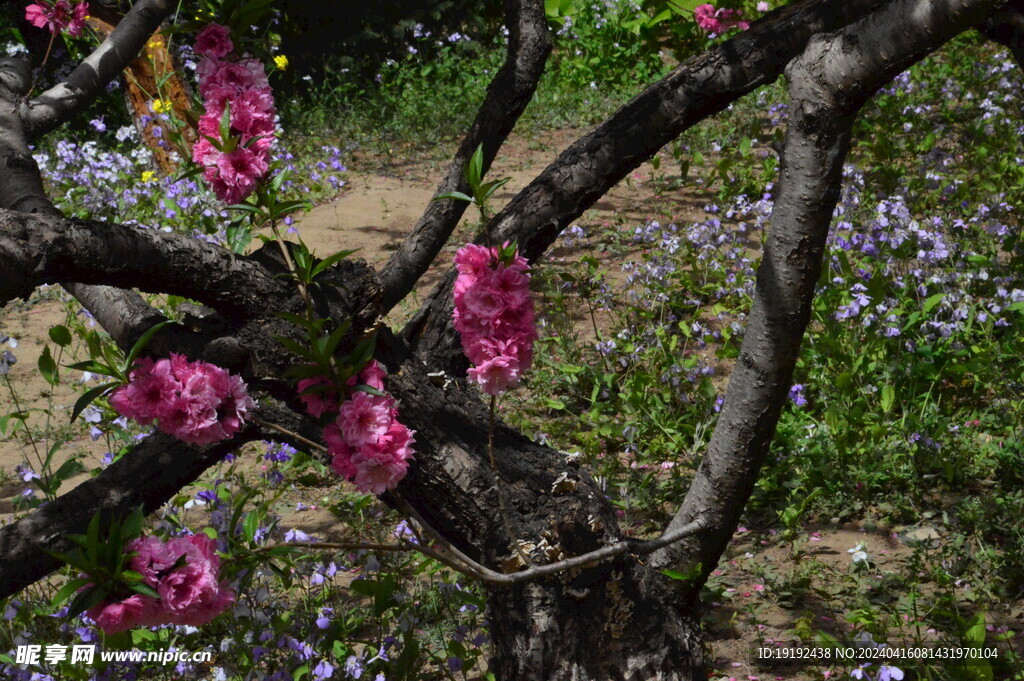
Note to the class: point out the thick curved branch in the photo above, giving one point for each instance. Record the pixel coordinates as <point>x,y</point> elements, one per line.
<point>829,84</point>
<point>529,45</point>
<point>21,187</point>
<point>126,316</point>
<point>60,103</point>
<point>592,165</point>
<point>37,249</point>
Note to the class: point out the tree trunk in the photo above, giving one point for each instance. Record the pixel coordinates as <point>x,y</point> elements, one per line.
<point>623,625</point>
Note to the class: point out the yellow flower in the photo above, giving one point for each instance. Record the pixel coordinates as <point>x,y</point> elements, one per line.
<point>162,106</point>
<point>281,61</point>
<point>155,43</point>
<point>148,176</point>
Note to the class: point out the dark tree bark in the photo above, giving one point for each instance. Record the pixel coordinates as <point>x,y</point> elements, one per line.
<point>38,249</point>
<point>618,619</point>
<point>1006,27</point>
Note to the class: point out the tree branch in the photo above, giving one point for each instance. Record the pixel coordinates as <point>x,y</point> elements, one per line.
<point>508,94</point>
<point>37,249</point>
<point>150,474</point>
<point>22,186</point>
<point>697,89</point>
<point>829,84</point>
<point>60,103</point>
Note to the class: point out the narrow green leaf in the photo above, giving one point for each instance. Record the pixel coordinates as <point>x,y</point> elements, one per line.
<point>86,600</point>
<point>140,344</point>
<point>89,396</point>
<point>65,591</point>
<point>331,259</point>
<point>457,196</point>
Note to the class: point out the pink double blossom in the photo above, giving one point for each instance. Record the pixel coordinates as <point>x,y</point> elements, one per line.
<point>233,163</point>
<point>214,41</point>
<point>494,316</point>
<point>196,402</point>
<point>184,571</point>
<point>58,15</point>
<point>368,445</point>
<point>711,20</point>
<point>318,400</point>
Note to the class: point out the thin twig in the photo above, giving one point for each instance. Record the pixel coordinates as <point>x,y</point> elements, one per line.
<point>487,576</point>
<point>411,512</point>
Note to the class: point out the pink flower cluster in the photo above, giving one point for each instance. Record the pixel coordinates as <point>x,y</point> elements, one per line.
<point>494,316</point>
<point>235,169</point>
<point>58,15</point>
<point>196,402</point>
<point>368,444</point>
<point>719,21</point>
<point>184,571</point>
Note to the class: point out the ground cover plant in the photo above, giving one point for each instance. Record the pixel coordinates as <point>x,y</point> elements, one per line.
<point>244,461</point>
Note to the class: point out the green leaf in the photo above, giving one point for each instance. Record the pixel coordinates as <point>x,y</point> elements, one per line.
<point>457,196</point>
<point>975,632</point>
<point>48,368</point>
<point>251,525</point>
<point>132,525</point>
<point>94,367</point>
<point>932,301</point>
<point>239,509</point>
<point>86,600</point>
<point>144,589</point>
<point>92,538</point>
<point>245,208</point>
<point>225,125</point>
<point>140,635</point>
<point>68,469</point>
<point>140,344</point>
<point>745,146</point>
<point>299,320</point>
<point>888,398</point>
<point>331,259</point>
<point>298,349</point>
<point>65,591</point>
<point>89,396</point>
<point>60,335</point>
<point>475,168</point>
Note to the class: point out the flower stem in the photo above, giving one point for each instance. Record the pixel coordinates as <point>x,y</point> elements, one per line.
<point>42,66</point>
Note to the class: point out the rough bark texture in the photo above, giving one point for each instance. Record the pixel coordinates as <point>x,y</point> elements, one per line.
<point>529,44</point>
<point>21,187</point>
<point>39,249</point>
<point>148,77</point>
<point>829,83</point>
